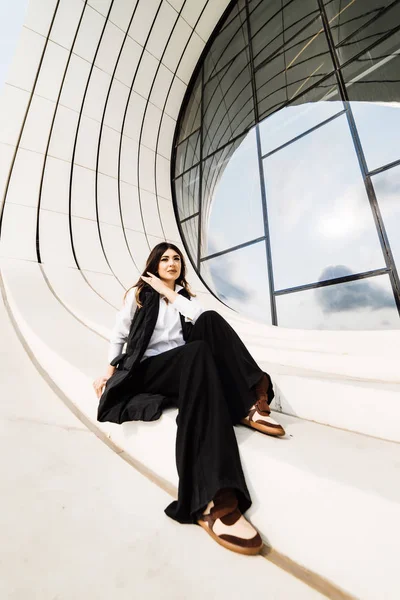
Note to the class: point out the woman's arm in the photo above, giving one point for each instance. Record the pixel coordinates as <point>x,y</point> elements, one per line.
<point>123,320</point>
<point>119,336</point>
<point>190,309</point>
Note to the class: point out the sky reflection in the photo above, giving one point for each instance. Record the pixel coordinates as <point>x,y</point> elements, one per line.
<point>320,220</point>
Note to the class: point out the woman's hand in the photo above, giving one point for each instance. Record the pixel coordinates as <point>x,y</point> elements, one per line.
<point>155,283</point>
<point>99,384</point>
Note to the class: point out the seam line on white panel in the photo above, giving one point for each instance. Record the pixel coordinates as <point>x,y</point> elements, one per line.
<point>90,118</point>
<point>166,102</point>
<point>86,270</point>
<point>77,130</point>
<point>118,27</point>
<point>34,206</point>
<point>11,145</point>
<point>77,164</point>
<point>137,167</point>
<point>74,268</point>
<point>69,311</point>
<point>134,230</point>
<point>102,130</point>
<point>50,136</point>
<point>100,69</point>
<point>46,424</point>
<point>174,78</point>
<point>29,260</point>
<point>22,124</point>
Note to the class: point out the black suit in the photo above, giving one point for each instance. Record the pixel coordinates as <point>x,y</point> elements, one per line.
<point>210,380</point>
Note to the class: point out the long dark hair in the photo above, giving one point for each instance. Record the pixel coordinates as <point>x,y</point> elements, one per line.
<point>152,263</point>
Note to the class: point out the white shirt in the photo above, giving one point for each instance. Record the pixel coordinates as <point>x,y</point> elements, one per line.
<point>167,333</point>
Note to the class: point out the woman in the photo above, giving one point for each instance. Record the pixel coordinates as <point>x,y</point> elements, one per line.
<point>178,354</point>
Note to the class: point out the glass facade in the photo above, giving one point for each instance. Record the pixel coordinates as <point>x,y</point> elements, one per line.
<point>287,163</point>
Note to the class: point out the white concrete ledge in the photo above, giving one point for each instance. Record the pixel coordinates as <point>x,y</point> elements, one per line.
<point>311,384</point>
<point>326,498</point>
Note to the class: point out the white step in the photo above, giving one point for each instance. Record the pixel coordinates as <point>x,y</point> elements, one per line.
<point>79,522</point>
<point>325,393</point>
<point>328,499</point>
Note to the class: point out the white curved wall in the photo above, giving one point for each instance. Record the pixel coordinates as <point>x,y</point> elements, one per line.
<point>87,118</point>
<point>86,126</point>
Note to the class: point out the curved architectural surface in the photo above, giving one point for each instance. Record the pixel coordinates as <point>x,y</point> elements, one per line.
<point>87,121</point>
<point>60,472</point>
<point>89,112</point>
<point>287,162</point>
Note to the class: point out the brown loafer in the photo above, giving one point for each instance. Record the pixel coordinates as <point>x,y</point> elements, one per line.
<point>224,522</point>
<point>262,421</point>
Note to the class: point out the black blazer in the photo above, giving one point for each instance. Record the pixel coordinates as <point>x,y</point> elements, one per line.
<point>122,400</point>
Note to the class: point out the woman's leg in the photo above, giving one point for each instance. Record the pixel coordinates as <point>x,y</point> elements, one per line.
<point>242,379</point>
<point>246,387</point>
<point>207,454</point>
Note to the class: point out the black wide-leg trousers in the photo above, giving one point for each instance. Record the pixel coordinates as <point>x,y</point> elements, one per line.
<point>211,378</point>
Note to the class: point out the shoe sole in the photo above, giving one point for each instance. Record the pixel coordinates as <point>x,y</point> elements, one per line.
<point>264,428</point>
<point>229,545</point>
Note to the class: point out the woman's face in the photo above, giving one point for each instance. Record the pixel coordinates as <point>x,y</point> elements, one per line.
<point>169,267</point>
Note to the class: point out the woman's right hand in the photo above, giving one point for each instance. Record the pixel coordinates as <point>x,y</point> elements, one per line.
<point>99,384</point>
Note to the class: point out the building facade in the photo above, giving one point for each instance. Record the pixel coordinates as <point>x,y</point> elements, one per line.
<point>286,165</point>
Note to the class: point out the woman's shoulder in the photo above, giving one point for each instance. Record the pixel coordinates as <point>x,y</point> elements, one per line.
<point>130,297</point>
<point>146,292</point>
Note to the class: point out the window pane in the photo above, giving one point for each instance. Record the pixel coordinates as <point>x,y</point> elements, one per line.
<point>192,118</point>
<point>373,86</point>
<point>235,214</point>
<point>319,213</point>
<point>297,66</point>
<point>297,15</point>
<point>307,58</point>
<point>187,193</point>
<point>364,304</point>
<point>274,89</point>
<point>213,169</point>
<point>228,101</point>
<point>271,85</point>
<point>266,30</point>
<point>387,189</point>
<point>231,40</point>
<point>239,6</point>
<point>357,25</point>
<point>191,233</point>
<point>240,280</point>
<point>346,18</point>
<point>293,120</point>
<point>272,26</point>
<point>320,218</point>
<point>188,153</point>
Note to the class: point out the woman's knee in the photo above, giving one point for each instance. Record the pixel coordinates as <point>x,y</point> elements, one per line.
<point>210,315</point>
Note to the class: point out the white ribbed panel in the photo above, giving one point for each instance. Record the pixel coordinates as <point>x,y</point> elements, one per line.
<point>90,108</point>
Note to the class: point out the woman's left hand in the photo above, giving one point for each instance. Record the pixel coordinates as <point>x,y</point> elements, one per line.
<point>154,282</point>
<point>99,384</point>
